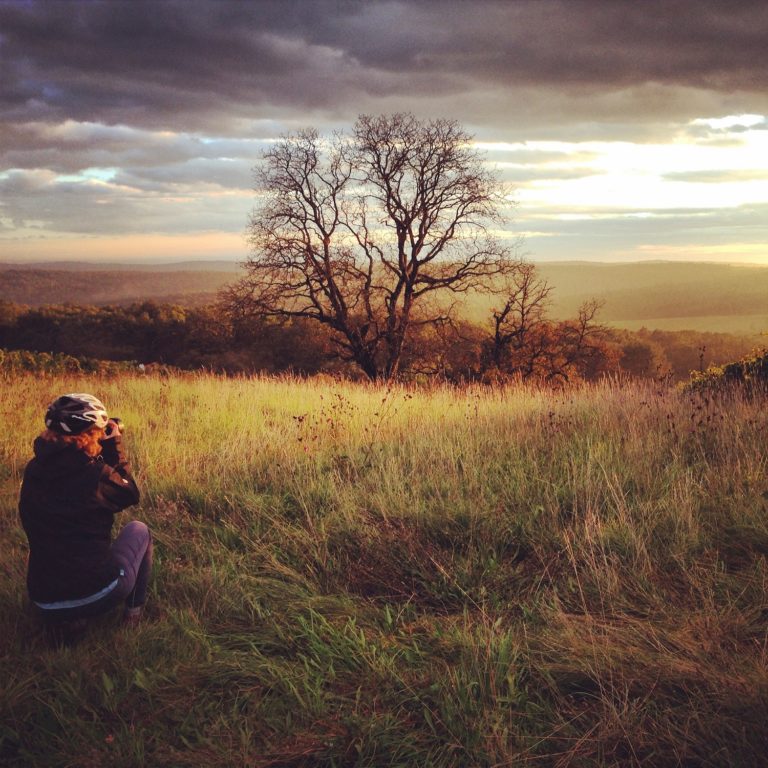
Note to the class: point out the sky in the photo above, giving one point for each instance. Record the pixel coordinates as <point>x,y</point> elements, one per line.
<point>625,130</point>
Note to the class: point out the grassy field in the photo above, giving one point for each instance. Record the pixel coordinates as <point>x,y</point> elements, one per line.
<point>348,575</point>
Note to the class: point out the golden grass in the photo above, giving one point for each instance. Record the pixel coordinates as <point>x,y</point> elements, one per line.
<point>351,574</point>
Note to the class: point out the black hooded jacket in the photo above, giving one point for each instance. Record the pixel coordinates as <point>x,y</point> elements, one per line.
<point>67,505</point>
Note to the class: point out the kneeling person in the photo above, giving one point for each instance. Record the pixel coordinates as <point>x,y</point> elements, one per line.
<point>77,481</point>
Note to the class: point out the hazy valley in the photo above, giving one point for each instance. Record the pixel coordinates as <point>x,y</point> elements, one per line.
<point>656,295</point>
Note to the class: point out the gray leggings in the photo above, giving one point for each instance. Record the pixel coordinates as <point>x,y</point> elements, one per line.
<point>132,551</point>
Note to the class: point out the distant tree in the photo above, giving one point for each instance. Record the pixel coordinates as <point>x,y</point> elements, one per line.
<point>520,340</point>
<point>524,343</point>
<point>9,316</point>
<point>687,351</point>
<point>642,357</point>
<point>582,348</point>
<point>450,351</point>
<point>357,233</point>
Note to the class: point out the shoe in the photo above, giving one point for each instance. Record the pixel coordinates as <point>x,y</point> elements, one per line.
<point>132,616</point>
<point>65,634</point>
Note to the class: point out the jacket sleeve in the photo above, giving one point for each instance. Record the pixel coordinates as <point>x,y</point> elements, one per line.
<point>112,453</point>
<point>115,487</point>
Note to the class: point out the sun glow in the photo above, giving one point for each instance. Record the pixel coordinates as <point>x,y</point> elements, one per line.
<point>632,176</point>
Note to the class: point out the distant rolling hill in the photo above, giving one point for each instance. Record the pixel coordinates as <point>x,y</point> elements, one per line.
<point>650,290</point>
<point>220,265</point>
<point>664,295</point>
<point>35,285</point>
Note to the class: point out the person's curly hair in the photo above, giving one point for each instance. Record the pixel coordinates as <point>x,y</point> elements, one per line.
<point>88,442</point>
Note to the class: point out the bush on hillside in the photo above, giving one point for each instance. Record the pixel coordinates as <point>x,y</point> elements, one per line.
<point>751,371</point>
<point>24,361</point>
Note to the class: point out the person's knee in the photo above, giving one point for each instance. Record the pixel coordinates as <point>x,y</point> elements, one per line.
<point>133,540</point>
<point>137,525</point>
<point>138,530</point>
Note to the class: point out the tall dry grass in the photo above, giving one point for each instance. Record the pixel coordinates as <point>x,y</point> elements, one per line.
<point>356,575</point>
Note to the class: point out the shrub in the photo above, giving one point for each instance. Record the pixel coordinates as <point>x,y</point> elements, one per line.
<point>751,372</point>
<point>54,363</point>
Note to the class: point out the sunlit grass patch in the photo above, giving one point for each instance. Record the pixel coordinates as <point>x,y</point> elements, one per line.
<point>350,574</point>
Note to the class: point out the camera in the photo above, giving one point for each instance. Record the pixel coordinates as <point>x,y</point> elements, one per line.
<point>113,426</point>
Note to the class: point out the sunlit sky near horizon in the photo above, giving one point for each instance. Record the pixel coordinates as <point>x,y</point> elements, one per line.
<point>625,130</point>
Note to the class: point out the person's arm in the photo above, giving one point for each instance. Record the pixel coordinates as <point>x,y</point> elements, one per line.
<point>112,453</point>
<point>115,487</point>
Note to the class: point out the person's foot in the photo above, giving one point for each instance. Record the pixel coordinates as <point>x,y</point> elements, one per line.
<point>132,616</point>
<point>65,634</point>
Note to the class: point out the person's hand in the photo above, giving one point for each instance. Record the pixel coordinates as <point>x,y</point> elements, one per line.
<point>113,429</point>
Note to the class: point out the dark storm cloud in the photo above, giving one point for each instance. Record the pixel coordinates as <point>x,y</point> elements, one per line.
<point>203,173</point>
<point>196,65</point>
<point>37,200</point>
<point>71,147</point>
<point>171,101</point>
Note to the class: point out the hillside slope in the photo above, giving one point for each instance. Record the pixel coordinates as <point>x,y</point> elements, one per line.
<point>37,286</point>
<point>666,295</point>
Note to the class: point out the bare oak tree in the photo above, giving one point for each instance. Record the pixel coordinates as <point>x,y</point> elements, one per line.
<point>368,233</point>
